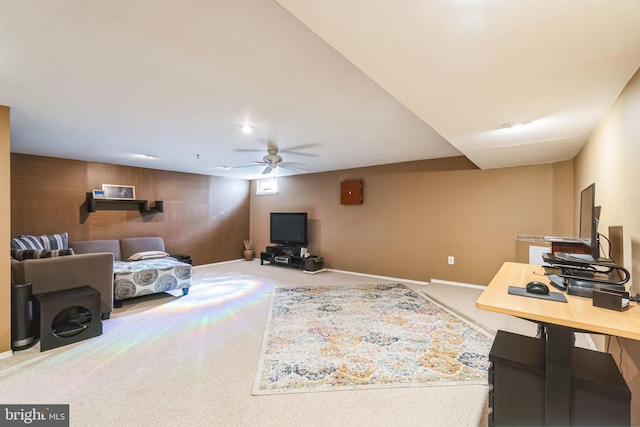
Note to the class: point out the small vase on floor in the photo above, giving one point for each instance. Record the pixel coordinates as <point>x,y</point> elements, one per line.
<point>248,254</point>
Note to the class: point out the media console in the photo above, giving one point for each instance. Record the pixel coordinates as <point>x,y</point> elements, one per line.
<point>287,256</point>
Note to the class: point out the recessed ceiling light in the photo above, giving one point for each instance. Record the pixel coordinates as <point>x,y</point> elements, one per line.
<point>225,167</point>
<point>147,156</point>
<point>246,129</point>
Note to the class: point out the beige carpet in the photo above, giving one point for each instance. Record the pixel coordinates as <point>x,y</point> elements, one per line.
<point>192,361</point>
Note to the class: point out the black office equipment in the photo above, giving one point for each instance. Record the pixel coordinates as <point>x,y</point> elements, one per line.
<point>536,287</point>
<point>557,282</point>
<point>613,300</point>
<point>581,275</point>
<point>551,296</point>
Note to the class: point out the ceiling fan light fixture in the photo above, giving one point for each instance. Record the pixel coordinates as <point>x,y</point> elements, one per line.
<point>514,125</point>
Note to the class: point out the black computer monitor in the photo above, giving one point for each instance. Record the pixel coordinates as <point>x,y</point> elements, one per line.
<point>589,216</point>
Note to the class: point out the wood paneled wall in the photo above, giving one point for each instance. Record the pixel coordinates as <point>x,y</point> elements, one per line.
<point>204,216</point>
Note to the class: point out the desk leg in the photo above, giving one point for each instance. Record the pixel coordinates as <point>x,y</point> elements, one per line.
<point>560,342</point>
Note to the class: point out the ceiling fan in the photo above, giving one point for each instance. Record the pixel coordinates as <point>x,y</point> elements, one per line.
<point>272,161</point>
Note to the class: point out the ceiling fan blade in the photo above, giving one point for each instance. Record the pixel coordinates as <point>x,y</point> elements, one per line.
<point>239,167</point>
<point>293,166</point>
<point>266,170</point>
<point>257,163</point>
<point>294,150</point>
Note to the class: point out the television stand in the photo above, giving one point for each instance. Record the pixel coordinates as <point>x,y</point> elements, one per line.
<point>285,256</point>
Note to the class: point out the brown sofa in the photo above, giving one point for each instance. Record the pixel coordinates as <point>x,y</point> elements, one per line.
<point>67,272</point>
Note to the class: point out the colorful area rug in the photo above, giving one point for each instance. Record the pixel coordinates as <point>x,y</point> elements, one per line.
<point>366,336</point>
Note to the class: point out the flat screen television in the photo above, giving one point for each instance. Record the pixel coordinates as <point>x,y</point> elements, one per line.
<point>589,216</point>
<point>289,229</point>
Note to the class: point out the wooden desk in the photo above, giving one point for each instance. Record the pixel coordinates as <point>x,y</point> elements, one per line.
<point>562,320</point>
<point>578,313</point>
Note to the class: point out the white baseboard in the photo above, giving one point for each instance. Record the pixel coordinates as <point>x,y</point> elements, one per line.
<point>6,354</point>
<point>415,282</point>
<point>322,270</point>
<point>464,285</point>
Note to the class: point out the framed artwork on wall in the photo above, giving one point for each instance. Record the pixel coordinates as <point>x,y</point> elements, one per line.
<point>98,194</point>
<point>119,192</point>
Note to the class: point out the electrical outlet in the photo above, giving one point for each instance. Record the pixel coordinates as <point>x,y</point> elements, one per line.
<point>451,260</point>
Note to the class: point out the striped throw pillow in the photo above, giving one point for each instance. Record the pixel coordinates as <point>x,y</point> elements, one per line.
<point>22,254</point>
<point>55,241</point>
<point>26,242</point>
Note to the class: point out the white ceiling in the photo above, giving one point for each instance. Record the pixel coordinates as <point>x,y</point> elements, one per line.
<point>335,84</point>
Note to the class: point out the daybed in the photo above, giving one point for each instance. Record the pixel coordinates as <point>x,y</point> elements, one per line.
<point>140,266</point>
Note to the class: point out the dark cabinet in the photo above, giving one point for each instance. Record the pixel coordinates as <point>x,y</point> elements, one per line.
<point>290,257</point>
<point>599,394</point>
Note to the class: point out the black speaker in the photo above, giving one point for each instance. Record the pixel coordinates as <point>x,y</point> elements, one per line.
<point>67,316</point>
<point>22,335</point>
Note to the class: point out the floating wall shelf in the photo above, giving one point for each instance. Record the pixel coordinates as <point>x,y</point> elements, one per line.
<point>117,204</point>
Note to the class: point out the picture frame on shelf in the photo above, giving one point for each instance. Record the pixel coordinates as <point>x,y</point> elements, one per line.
<point>98,194</point>
<point>119,192</point>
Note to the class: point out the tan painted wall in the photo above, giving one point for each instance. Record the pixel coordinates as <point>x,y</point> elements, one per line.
<point>5,232</point>
<point>610,159</point>
<point>415,215</point>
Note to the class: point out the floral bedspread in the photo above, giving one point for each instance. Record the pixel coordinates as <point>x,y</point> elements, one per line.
<point>137,278</point>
